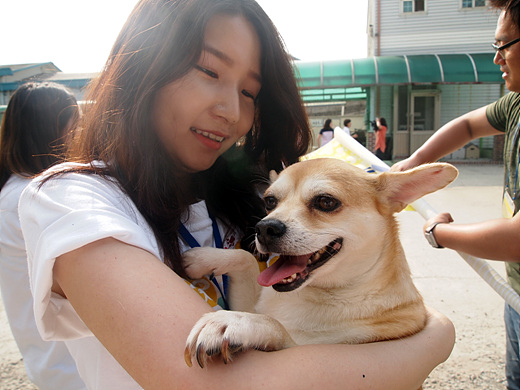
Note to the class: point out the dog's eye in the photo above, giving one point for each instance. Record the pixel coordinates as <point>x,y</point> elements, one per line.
<point>326,203</point>
<point>270,202</point>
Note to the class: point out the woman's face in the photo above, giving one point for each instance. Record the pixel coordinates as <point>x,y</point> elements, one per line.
<point>201,115</point>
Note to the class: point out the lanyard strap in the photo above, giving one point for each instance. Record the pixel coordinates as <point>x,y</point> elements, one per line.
<point>513,143</point>
<point>193,243</point>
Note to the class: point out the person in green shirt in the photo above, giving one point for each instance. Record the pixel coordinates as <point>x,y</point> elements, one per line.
<point>494,239</point>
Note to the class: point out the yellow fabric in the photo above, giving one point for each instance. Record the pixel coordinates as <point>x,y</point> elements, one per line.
<point>207,290</point>
<point>508,207</point>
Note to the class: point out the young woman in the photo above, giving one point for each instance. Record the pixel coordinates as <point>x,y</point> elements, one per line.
<point>196,104</point>
<point>36,123</point>
<point>326,134</point>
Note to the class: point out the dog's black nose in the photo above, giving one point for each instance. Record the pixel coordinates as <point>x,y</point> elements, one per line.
<point>269,229</point>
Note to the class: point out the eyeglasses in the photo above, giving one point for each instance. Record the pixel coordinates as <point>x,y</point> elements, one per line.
<point>500,49</point>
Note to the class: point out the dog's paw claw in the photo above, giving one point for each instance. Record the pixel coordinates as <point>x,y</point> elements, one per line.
<point>187,357</point>
<point>201,357</point>
<point>225,350</point>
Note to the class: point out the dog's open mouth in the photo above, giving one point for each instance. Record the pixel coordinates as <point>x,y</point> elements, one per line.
<point>289,272</point>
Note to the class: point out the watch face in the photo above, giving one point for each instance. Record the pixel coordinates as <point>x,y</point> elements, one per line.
<point>431,239</point>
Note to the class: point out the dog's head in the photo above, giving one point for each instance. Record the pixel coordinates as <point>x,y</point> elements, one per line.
<point>323,212</point>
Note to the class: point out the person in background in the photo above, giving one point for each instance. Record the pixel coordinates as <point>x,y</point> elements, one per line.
<point>35,126</point>
<point>326,134</point>
<point>158,168</point>
<point>380,129</point>
<point>346,126</point>
<point>494,239</point>
<point>347,123</point>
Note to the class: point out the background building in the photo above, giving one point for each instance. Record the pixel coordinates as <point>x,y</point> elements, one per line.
<point>453,37</point>
<point>429,61</point>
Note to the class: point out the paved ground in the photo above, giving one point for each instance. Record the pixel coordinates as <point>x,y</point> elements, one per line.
<point>445,280</point>
<point>451,286</point>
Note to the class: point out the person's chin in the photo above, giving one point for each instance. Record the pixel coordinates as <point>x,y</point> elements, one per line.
<point>202,166</point>
<point>195,167</point>
<point>512,86</point>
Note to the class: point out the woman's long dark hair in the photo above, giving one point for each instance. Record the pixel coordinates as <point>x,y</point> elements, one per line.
<point>34,128</point>
<point>327,125</point>
<point>161,41</point>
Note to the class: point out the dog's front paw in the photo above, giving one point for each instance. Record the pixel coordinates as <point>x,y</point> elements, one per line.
<point>201,261</point>
<point>204,261</point>
<point>227,333</point>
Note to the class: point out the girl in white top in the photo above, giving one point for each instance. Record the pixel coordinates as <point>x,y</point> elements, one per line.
<point>36,121</point>
<point>197,102</point>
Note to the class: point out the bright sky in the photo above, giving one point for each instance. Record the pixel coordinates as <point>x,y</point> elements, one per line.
<point>76,35</point>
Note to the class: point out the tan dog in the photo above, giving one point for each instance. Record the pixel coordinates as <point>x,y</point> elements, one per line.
<point>342,276</point>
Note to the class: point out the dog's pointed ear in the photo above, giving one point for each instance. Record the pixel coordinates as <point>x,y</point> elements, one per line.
<point>398,189</point>
<point>273,176</point>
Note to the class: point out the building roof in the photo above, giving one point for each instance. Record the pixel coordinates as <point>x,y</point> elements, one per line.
<point>12,76</point>
<point>12,69</point>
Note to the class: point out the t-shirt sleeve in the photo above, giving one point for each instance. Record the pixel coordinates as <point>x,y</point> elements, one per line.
<point>497,113</point>
<point>64,214</point>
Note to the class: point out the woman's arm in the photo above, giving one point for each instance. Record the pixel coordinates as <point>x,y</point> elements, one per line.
<point>449,138</point>
<point>142,312</point>
<point>496,239</point>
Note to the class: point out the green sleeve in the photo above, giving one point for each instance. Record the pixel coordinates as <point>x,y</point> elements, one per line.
<point>499,113</point>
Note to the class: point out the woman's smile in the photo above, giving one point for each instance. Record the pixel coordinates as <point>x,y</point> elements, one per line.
<point>211,139</point>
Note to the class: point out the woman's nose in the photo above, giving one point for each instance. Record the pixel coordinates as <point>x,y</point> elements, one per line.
<point>228,106</point>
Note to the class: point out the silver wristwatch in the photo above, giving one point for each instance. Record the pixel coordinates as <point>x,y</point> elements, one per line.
<point>430,237</point>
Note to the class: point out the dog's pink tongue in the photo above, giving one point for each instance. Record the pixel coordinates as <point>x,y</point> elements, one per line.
<point>285,266</point>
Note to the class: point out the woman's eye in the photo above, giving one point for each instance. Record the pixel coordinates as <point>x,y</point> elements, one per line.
<point>207,71</point>
<point>248,94</point>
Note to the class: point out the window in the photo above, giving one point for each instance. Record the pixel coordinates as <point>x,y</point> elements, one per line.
<point>473,3</point>
<point>413,5</point>
<point>402,108</point>
<point>424,113</point>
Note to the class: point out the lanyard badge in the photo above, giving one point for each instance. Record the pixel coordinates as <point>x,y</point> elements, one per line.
<point>508,202</point>
<point>193,243</point>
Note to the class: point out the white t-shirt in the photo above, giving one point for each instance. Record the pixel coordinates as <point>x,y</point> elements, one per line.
<point>326,137</point>
<point>346,129</point>
<point>49,364</point>
<point>65,214</point>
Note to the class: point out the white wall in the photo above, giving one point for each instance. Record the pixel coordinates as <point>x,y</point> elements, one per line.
<point>459,99</point>
<point>444,28</point>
